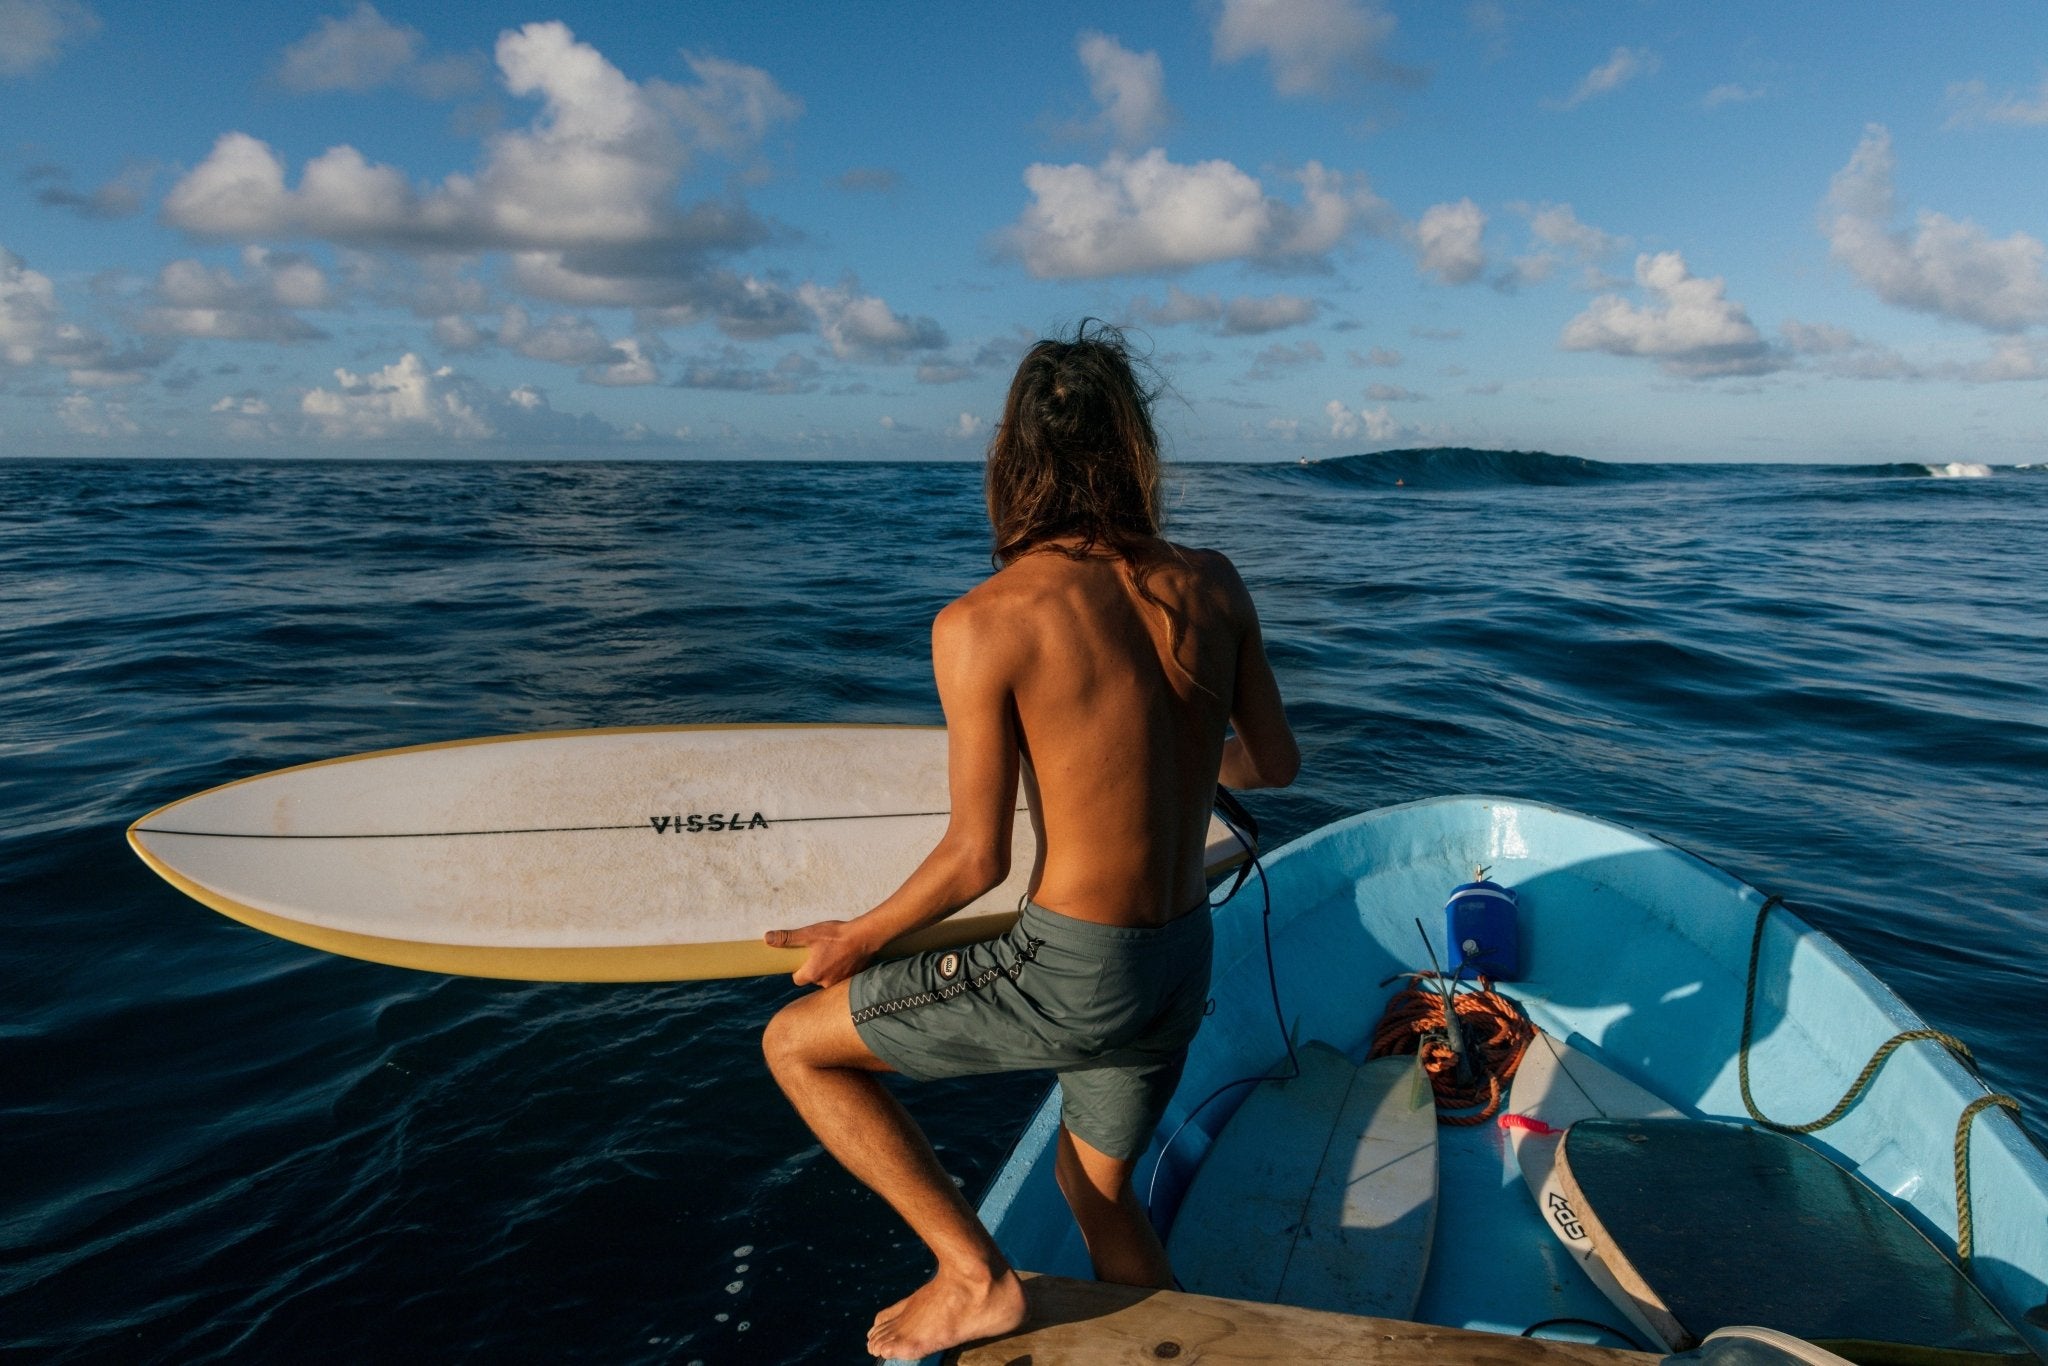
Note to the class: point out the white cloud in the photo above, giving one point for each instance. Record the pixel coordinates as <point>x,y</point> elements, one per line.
<point>1557,236</point>
<point>730,108</point>
<point>732,369</point>
<point>1246,315</point>
<point>632,366</point>
<point>1274,359</point>
<point>404,398</point>
<point>192,299</point>
<point>1130,87</point>
<point>870,180</point>
<point>595,172</point>
<point>356,53</point>
<point>83,415</point>
<point>1392,393</point>
<point>1180,306</point>
<point>1376,424</point>
<point>1623,66</point>
<point>1945,266</point>
<point>1558,226</point>
<point>1379,356</point>
<point>1732,94</point>
<point>407,401</point>
<point>1448,242</point>
<point>968,427</point>
<point>559,340</point>
<point>34,332</point>
<point>2014,358</point>
<point>1532,269</point>
<point>1315,47</point>
<point>1971,102</point>
<point>1817,339</point>
<point>1689,327</point>
<point>1840,352</point>
<point>860,326</point>
<point>28,311</point>
<point>1249,315</point>
<point>1132,215</point>
<point>453,332</point>
<point>120,197</point>
<point>584,196</point>
<point>32,31</point>
<point>563,339</point>
<point>94,364</point>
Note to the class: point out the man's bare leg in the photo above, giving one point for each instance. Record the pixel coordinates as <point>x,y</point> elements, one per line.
<point>829,1076</point>
<point>1121,1242</point>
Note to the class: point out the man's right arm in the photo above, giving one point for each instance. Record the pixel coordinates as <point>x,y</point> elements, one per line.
<point>1262,752</point>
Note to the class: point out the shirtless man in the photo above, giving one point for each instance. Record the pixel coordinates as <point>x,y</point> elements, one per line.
<point>1100,666</point>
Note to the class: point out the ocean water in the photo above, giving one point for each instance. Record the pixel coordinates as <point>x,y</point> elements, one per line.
<point>214,1145</point>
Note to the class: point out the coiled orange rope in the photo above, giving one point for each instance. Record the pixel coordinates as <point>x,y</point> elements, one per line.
<point>1496,1035</point>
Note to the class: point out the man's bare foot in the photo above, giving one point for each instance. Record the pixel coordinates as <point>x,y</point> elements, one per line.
<point>949,1309</point>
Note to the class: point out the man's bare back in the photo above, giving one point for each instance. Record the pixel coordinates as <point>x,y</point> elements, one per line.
<point>1121,705</point>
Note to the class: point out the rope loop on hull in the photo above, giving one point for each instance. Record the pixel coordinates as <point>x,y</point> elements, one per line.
<point>1961,1051</point>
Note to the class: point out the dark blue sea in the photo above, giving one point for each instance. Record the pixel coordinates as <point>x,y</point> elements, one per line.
<point>219,1146</point>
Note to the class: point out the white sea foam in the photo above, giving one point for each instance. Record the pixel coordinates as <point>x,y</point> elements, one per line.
<point>1956,469</point>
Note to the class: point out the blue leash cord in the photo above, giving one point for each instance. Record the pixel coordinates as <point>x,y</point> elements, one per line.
<point>1233,814</point>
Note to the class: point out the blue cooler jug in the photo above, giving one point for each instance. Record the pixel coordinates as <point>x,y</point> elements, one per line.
<point>1485,940</point>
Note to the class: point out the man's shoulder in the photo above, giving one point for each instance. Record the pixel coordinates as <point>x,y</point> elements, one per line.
<point>1209,563</point>
<point>1214,572</point>
<point>978,608</point>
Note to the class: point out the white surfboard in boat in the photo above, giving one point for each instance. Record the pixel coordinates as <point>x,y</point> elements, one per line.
<point>1320,1192</point>
<point>640,854</point>
<point>1557,1086</point>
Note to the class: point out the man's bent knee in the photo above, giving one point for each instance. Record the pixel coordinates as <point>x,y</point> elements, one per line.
<point>816,1030</point>
<point>778,1040</point>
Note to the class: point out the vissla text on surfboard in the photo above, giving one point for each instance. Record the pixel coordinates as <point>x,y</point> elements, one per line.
<point>696,824</point>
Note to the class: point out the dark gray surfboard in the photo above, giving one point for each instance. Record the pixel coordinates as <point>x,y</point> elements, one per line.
<point>1706,1224</point>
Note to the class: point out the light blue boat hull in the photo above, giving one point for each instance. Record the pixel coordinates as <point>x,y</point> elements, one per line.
<point>1633,950</point>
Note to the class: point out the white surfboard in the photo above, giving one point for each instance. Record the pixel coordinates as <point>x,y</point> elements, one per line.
<point>1557,1085</point>
<point>643,854</point>
<point>1319,1193</point>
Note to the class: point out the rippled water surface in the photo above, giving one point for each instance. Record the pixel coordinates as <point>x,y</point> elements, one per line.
<point>216,1144</point>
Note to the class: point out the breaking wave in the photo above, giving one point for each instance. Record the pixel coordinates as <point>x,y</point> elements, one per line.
<point>1465,468</point>
<point>1906,469</point>
<point>1462,467</point>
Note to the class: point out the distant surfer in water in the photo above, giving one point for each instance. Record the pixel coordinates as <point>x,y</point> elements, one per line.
<point>1102,667</point>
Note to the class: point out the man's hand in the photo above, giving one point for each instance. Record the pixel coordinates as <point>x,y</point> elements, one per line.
<point>836,953</point>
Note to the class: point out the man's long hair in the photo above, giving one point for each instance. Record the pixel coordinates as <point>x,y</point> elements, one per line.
<point>1076,455</point>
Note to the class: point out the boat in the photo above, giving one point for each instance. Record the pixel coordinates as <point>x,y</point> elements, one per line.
<point>1674,976</point>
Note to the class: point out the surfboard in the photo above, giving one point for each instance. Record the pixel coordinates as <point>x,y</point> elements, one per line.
<point>1556,1085</point>
<point>1320,1192</point>
<point>632,854</point>
<point>1705,1223</point>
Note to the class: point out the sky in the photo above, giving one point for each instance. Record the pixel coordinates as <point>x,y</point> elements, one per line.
<point>1623,229</point>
